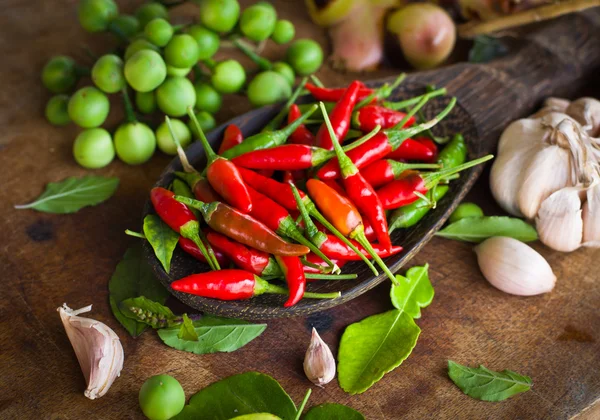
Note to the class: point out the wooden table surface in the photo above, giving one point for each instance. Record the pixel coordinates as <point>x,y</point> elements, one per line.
<point>46,260</point>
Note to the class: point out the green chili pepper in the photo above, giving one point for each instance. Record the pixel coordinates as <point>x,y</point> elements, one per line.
<point>455,153</point>
<point>410,215</point>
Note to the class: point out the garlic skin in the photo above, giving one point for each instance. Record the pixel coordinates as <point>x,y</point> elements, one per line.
<point>559,221</point>
<point>586,111</point>
<point>319,364</point>
<point>97,347</point>
<point>552,104</point>
<point>591,217</point>
<point>514,267</point>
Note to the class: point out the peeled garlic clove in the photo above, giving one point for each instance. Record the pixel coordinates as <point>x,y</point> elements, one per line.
<point>587,112</point>
<point>514,267</point>
<point>97,348</point>
<point>548,171</point>
<point>319,364</point>
<point>559,222</point>
<point>591,218</point>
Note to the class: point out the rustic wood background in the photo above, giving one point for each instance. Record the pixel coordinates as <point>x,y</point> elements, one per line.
<point>50,259</point>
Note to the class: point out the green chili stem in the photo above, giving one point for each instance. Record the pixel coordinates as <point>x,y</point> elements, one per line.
<point>135,234</point>
<point>129,113</point>
<point>261,62</point>
<point>310,227</point>
<point>316,81</point>
<point>276,122</point>
<point>297,236</point>
<point>210,153</point>
<point>304,401</point>
<point>265,287</point>
<point>192,232</point>
<point>185,163</point>
<point>315,276</point>
<point>361,239</point>
<point>412,112</point>
<point>433,178</point>
<point>347,167</point>
<point>382,92</point>
<point>408,102</point>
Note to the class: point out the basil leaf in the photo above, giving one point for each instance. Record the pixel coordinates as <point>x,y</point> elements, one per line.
<point>486,48</point>
<point>331,411</point>
<point>187,331</point>
<point>214,335</point>
<point>148,312</point>
<point>414,291</point>
<point>478,229</point>
<point>71,194</point>
<point>162,238</point>
<point>487,385</point>
<point>133,277</point>
<point>247,393</point>
<point>373,347</point>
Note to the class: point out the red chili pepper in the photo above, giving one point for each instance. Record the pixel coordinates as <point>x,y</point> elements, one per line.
<point>302,135</point>
<point>384,171</point>
<point>314,260</point>
<point>232,137</point>
<point>234,285</point>
<point>360,191</point>
<point>243,228</point>
<point>266,172</point>
<point>431,144</point>
<point>340,117</point>
<point>278,192</point>
<point>370,116</point>
<point>249,259</point>
<point>335,94</point>
<point>402,191</point>
<point>381,145</point>
<point>223,175</point>
<point>338,250</point>
<point>179,218</point>
<point>414,150</point>
<point>200,186</point>
<point>190,248</point>
<point>294,276</point>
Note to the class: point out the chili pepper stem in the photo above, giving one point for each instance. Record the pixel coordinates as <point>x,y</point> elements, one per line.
<point>315,276</point>
<point>317,237</point>
<point>261,62</point>
<point>276,122</point>
<point>408,102</point>
<point>185,163</point>
<point>263,286</point>
<point>433,178</point>
<point>382,92</point>
<point>192,232</point>
<point>129,113</point>
<point>361,239</point>
<point>347,167</point>
<point>322,155</point>
<point>316,81</point>
<point>210,153</point>
<point>135,234</point>
<point>297,236</point>
<point>317,215</point>
<point>413,111</point>
<point>312,265</point>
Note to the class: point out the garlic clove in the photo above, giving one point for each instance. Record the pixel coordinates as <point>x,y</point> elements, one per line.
<point>97,348</point>
<point>591,217</point>
<point>552,104</point>
<point>514,267</point>
<point>586,111</point>
<point>521,134</point>
<point>319,364</point>
<point>559,222</point>
<point>549,170</point>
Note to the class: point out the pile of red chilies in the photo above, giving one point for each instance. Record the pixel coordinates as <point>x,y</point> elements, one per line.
<point>270,229</point>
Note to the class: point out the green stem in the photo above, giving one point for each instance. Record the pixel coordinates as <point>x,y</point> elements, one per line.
<point>433,178</point>
<point>309,226</point>
<point>312,265</point>
<point>129,113</point>
<point>209,248</point>
<point>192,232</point>
<point>134,234</point>
<point>261,62</point>
<point>408,102</point>
<point>361,239</point>
<point>315,276</point>
<point>316,81</point>
<point>382,92</point>
<point>263,286</point>
<point>317,215</point>
<point>210,63</point>
<point>297,236</point>
<point>411,113</point>
<point>210,153</point>
<point>115,30</point>
<point>276,122</point>
<point>304,401</point>
<point>347,167</point>
<point>185,163</point>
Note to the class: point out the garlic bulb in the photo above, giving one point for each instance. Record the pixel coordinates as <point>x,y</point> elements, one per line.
<point>559,222</point>
<point>319,364</point>
<point>591,217</point>
<point>97,348</point>
<point>552,104</point>
<point>587,112</point>
<point>514,267</point>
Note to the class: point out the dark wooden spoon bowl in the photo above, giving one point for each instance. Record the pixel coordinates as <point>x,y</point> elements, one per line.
<point>489,96</point>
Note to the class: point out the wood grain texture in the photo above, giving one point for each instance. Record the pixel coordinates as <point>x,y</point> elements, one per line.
<point>50,259</point>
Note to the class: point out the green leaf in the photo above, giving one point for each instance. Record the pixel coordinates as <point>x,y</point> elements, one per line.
<point>486,48</point>
<point>257,416</point>
<point>373,347</point>
<point>478,229</point>
<point>214,335</point>
<point>162,238</point>
<point>331,411</point>
<point>148,312</point>
<point>186,330</point>
<point>71,194</point>
<point>133,277</point>
<point>247,393</point>
<point>413,291</point>
<point>487,385</point>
